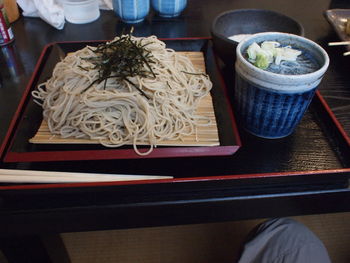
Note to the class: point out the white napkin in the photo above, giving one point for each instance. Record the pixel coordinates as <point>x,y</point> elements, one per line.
<point>106,4</point>
<point>51,11</point>
<point>48,10</point>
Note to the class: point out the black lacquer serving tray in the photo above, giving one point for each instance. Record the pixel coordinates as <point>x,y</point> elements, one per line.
<point>315,156</point>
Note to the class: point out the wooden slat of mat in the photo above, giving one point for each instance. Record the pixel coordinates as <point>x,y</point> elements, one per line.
<point>206,135</point>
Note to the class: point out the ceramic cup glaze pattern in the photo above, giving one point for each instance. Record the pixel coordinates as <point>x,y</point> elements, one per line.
<point>169,8</point>
<point>131,11</point>
<point>271,105</point>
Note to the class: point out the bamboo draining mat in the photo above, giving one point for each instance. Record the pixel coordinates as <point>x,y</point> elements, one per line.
<point>206,135</point>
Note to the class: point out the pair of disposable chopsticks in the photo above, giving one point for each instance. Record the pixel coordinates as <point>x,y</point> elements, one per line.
<point>342,43</point>
<point>31,176</point>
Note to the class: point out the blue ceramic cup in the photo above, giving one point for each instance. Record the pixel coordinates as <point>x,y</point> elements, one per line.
<point>131,11</point>
<point>270,105</point>
<point>169,8</point>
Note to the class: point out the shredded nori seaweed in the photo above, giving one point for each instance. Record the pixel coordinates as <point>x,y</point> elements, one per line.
<point>122,59</point>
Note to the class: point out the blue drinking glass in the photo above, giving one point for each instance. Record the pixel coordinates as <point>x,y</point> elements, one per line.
<point>131,11</point>
<point>169,8</point>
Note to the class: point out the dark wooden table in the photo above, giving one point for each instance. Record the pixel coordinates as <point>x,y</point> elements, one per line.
<point>305,173</point>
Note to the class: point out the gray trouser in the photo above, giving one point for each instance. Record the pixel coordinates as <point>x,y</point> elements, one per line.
<point>284,240</point>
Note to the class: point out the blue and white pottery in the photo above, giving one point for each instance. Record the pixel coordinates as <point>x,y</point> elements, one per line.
<point>169,8</point>
<point>271,105</point>
<point>131,11</point>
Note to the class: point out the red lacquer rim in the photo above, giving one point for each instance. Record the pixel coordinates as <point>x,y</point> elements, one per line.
<point>333,118</point>
<point>232,117</point>
<point>21,103</point>
<point>120,154</point>
<point>175,180</point>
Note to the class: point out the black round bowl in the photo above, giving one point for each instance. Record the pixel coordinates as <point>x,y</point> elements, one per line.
<point>247,21</point>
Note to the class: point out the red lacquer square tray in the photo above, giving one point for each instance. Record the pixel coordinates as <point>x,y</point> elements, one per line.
<point>17,148</point>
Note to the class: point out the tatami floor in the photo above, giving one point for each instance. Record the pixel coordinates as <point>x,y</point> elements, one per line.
<point>201,243</point>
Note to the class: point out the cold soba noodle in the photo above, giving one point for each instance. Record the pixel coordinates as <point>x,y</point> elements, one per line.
<point>86,99</point>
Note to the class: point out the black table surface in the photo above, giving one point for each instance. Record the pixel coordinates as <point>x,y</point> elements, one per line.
<point>233,194</point>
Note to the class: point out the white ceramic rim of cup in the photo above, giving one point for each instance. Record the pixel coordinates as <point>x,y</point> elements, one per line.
<point>84,20</point>
<point>295,79</point>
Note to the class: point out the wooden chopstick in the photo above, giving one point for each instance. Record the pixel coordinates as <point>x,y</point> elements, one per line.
<point>342,43</point>
<point>31,176</point>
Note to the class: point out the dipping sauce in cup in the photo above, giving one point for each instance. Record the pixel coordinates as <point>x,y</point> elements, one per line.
<point>271,102</point>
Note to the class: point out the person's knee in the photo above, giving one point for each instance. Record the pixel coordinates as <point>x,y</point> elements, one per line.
<point>283,229</point>
<point>286,239</point>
